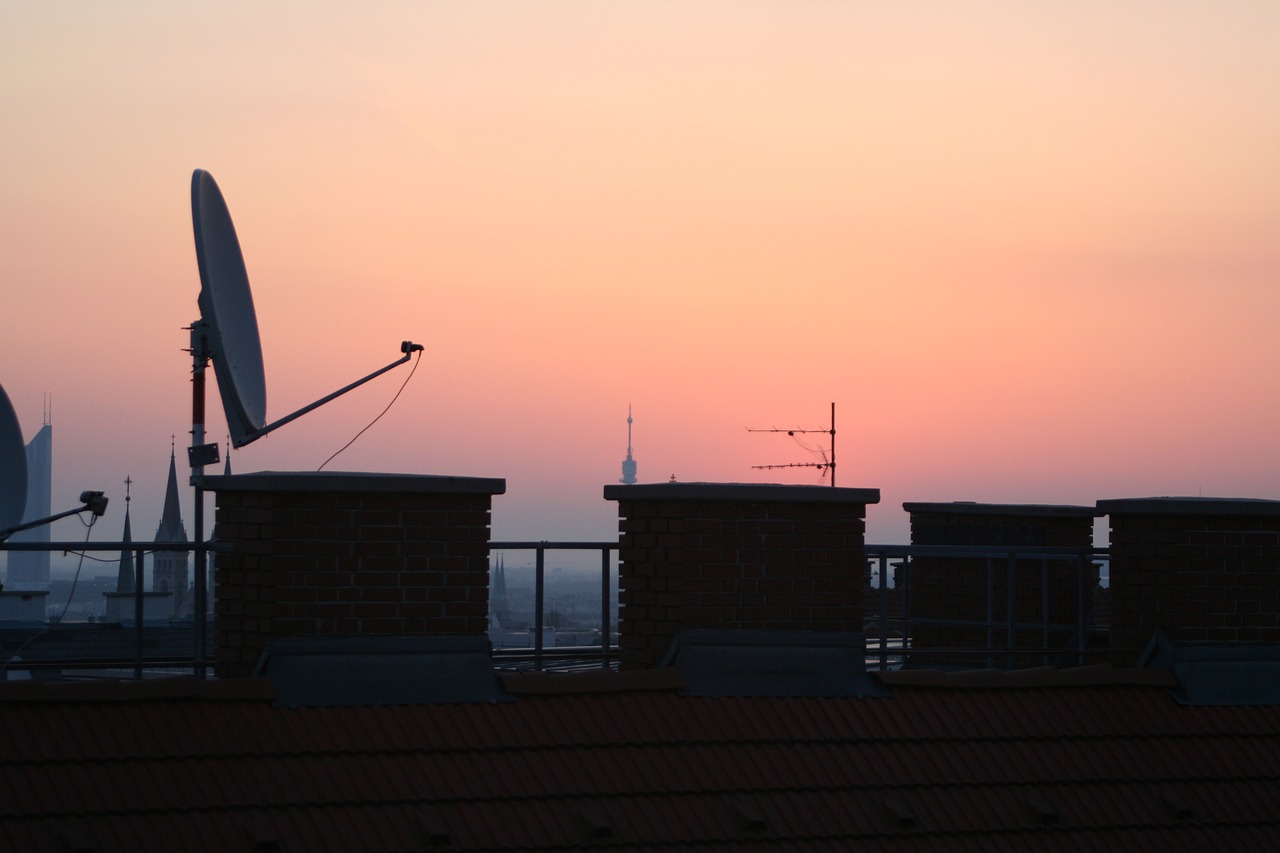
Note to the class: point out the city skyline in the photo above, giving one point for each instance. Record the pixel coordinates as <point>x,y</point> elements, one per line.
<point>1028,251</point>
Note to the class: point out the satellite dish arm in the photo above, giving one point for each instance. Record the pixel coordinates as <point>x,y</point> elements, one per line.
<point>94,502</point>
<point>406,347</point>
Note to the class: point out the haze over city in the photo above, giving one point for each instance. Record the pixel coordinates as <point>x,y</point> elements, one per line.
<point>1029,250</point>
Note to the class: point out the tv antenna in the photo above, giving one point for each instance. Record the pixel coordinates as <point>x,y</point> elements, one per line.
<point>827,455</point>
<point>227,334</point>
<point>13,479</point>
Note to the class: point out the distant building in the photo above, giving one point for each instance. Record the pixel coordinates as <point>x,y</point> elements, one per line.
<point>499,609</point>
<point>30,569</point>
<point>628,464</point>
<point>171,569</point>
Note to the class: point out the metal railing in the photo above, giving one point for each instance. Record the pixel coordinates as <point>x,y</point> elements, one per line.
<point>890,621</point>
<point>537,656</point>
<point>891,634</point>
<point>139,661</point>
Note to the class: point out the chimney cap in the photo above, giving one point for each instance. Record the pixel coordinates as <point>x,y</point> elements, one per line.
<point>352,481</point>
<point>741,492</point>
<point>1189,506</point>
<point>974,508</point>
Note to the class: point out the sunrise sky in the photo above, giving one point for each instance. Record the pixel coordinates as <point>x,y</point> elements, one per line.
<point>1030,250</point>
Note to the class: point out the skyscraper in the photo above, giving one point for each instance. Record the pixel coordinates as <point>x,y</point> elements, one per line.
<point>30,569</point>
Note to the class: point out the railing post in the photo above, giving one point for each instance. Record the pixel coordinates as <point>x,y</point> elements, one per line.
<point>1044,607</point>
<point>1011,604</point>
<point>138,576</point>
<point>1082,572</point>
<point>884,612</point>
<point>991,613</point>
<point>905,596</point>
<point>605,610</point>
<point>538,590</point>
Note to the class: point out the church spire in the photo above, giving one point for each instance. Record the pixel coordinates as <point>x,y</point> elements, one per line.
<point>124,578</point>
<point>171,528</point>
<point>170,569</point>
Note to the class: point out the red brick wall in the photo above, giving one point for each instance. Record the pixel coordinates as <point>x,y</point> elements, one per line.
<point>313,561</point>
<point>1205,571</point>
<point>955,587</point>
<point>723,556</point>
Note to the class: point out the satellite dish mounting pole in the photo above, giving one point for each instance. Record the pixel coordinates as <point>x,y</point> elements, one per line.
<point>198,456</point>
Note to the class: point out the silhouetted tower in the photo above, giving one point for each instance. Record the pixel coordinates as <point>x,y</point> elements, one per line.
<point>30,569</point>
<point>628,464</point>
<point>124,577</point>
<point>170,572</point>
<point>498,593</point>
<point>120,602</point>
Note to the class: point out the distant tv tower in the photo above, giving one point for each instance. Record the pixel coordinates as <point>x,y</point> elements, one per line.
<point>628,464</point>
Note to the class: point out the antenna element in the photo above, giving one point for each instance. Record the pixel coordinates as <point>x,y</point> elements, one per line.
<point>827,455</point>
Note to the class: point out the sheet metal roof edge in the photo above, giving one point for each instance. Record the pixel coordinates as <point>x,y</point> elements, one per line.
<point>667,679</point>
<point>257,689</point>
<point>1081,676</point>
<point>149,689</point>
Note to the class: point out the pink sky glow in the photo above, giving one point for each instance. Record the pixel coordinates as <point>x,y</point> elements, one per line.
<point>1030,250</point>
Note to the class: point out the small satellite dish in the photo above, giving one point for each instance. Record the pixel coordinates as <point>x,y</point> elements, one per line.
<point>226,306</point>
<point>13,466</point>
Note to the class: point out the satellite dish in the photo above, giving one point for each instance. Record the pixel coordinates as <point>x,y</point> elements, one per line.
<point>226,306</point>
<point>227,331</point>
<point>13,466</point>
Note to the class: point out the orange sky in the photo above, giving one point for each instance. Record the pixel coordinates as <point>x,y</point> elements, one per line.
<point>1029,250</point>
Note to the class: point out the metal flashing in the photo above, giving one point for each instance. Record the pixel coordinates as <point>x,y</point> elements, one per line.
<point>1217,675</point>
<point>335,671</point>
<point>744,662</point>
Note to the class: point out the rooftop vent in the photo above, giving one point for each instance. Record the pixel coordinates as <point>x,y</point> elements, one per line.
<point>744,662</point>
<point>338,670</point>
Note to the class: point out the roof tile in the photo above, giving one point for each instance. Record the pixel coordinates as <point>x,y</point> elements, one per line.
<point>933,767</point>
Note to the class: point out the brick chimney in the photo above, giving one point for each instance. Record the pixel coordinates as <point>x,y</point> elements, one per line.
<point>313,554</point>
<point>717,555</point>
<point>1204,570</point>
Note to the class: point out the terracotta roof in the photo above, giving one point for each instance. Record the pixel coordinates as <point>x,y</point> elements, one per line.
<point>179,764</point>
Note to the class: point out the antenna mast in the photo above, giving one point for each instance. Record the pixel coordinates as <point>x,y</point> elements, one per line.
<point>828,457</point>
